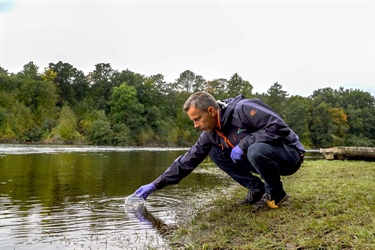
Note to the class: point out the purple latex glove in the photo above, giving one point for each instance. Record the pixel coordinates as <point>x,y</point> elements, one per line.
<point>236,153</point>
<point>145,190</point>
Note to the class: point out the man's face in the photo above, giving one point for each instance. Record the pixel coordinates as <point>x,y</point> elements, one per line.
<point>203,120</point>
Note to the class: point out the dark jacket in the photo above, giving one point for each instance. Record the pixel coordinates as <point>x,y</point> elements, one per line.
<point>242,122</point>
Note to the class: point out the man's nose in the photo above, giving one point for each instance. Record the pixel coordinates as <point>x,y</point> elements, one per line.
<point>196,125</point>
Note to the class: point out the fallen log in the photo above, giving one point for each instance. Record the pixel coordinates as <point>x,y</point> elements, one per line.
<point>349,153</point>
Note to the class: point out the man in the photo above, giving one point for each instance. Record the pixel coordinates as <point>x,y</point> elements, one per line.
<point>242,137</point>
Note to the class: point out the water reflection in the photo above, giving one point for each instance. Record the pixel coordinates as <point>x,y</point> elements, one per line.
<point>75,200</point>
<point>147,219</point>
<point>73,197</point>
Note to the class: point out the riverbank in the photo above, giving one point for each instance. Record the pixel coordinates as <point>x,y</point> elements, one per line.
<point>331,207</point>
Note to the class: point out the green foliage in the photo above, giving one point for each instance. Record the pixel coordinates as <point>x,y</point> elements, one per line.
<point>86,114</point>
<point>71,83</point>
<point>339,125</point>
<point>320,127</point>
<point>30,71</point>
<point>122,135</point>
<point>106,106</point>
<point>166,131</point>
<point>66,129</point>
<point>277,99</point>
<point>217,88</point>
<point>237,85</point>
<point>125,107</point>
<point>16,120</point>
<point>360,109</point>
<point>359,141</point>
<point>186,137</point>
<point>146,136</point>
<point>9,84</point>
<point>100,133</point>
<point>101,82</point>
<point>189,82</point>
<point>356,105</point>
<point>40,97</point>
<point>298,117</point>
<point>96,128</point>
<point>326,95</point>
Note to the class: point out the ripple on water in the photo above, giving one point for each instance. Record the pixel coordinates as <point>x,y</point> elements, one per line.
<point>99,223</point>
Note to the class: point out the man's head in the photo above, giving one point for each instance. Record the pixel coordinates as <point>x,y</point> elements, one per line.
<point>202,109</point>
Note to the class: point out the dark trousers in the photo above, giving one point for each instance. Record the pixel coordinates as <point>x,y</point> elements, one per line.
<point>268,160</point>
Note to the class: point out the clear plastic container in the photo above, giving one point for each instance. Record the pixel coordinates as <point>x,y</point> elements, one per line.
<point>133,202</point>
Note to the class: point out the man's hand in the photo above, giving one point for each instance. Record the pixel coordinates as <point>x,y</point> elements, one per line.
<point>145,190</point>
<point>236,153</point>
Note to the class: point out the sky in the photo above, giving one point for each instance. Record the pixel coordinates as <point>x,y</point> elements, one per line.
<point>303,45</point>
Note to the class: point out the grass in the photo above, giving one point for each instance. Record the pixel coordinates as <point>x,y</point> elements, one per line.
<point>332,206</point>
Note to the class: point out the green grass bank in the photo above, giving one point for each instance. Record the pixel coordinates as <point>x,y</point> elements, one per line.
<point>332,206</point>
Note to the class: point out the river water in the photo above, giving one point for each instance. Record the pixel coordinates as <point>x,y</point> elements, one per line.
<point>72,197</point>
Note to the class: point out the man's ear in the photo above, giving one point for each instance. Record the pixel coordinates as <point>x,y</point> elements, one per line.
<point>211,110</point>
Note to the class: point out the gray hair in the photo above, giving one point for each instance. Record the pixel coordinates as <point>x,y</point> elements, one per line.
<point>200,100</point>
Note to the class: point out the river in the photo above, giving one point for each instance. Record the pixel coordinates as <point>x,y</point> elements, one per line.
<point>72,197</point>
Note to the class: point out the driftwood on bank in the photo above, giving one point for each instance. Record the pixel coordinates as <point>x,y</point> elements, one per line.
<point>349,153</point>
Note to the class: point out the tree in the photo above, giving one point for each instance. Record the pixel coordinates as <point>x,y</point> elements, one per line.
<point>16,120</point>
<point>298,117</point>
<point>3,71</point>
<point>217,88</point>
<point>66,128</point>
<point>71,82</point>
<point>131,78</point>
<point>185,81</point>
<point>30,70</point>
<point>100,132</point>
<point>189,82</point>
<point>48,75</point>
<point>199,84</point>
<point>360,108</point>
<point>320,126</point>
<point>125,108</point>
<point>339,126</point>
<point>277,98</point>
<point>81,86</point>
<point>236,85</point>
<point>161,85</point>
<point>40,96</point>
<point>101,84</point>
<point>329,126</point>
<point>326,95</point>
<point>9,83</point>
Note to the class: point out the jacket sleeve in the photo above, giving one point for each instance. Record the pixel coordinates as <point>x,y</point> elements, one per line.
<point>265,125</point>
<point>185,164</point>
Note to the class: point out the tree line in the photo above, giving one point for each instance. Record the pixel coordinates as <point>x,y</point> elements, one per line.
<point>110,107</point>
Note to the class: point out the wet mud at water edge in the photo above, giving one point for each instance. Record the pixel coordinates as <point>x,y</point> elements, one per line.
<point>68,197</point>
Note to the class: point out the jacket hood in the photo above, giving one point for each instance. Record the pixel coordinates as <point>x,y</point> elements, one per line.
<point>226,111</point>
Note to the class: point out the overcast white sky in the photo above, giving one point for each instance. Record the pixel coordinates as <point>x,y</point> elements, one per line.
<point>303,45</point>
